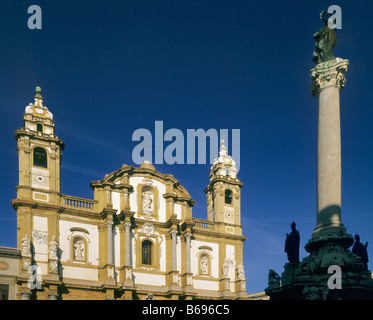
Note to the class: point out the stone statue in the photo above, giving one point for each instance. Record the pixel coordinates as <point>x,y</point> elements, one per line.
<point>79,249</point>
<point>147,200</point>
<point>361,250</point>
<point>292,244</point>
<point>226,266</point>
<point>26,247</point>
<point>204,265</point>
<point>53,249</point>
<point>274,279</point>
<point>240,272</point>
<point>325,41</point>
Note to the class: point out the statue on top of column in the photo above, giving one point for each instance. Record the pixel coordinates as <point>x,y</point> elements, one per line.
<point>325,41</point>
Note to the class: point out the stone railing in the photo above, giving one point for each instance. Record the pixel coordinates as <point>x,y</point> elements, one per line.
<point>78,203</point>
<point>203,224</point>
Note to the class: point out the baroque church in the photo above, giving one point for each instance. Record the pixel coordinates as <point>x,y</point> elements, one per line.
<point>137,239</point>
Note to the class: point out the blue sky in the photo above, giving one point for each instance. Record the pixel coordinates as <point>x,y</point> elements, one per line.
<point>109,68</point>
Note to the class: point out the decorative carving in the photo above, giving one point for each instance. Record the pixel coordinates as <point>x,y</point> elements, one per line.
<point>240,272</point>
<point>315,292</point>
<point>26,263</point>
<point>226,266</point>
<point>148,229</point>
<point>273,279</point>
<point>53,249</point>
<point>329,73</point>
<point>53,266</point>
<point>40,237</point>
<point>149,297</point>
<point>26,247</point>
<point>147,199</point>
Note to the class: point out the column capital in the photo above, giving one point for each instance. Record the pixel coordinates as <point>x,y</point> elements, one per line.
<point>329,73</point>
<point>109,223</point>
<point>188,235</point>
<point>174,232</point>
<point>127,224</point>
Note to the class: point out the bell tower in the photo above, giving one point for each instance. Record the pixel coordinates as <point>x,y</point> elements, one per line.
<point>39,153</point>
<point>224,193</point>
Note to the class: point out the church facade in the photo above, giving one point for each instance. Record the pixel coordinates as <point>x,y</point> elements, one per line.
<point>136,239</point>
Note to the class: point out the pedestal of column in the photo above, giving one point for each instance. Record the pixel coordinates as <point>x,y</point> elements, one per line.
<point>127,269</point>
<point>225,288</point>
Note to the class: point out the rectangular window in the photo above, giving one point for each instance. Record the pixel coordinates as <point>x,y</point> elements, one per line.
<point>4,292</point>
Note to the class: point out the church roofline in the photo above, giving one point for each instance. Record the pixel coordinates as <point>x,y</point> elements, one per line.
<point>110,178</point>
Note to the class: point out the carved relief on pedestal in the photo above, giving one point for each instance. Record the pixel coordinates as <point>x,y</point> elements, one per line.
<point>40,237</point>
<point>227,264</point>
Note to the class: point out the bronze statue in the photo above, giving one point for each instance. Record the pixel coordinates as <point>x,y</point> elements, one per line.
<point>361,250</point>
<point>325,41</point>
<point>292,244</point>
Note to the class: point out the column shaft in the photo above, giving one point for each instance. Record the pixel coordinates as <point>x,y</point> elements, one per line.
<point>174,261</point>
<point>109,242</point>
<point>327,80</point>
<point>187,266</point>
<point>127,227</point>
<point>329,159</point>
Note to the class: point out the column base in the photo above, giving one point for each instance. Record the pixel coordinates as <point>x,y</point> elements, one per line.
<point>187,284</point>
<point>109,271</point>
<point>225,289</point>
<point>173,281</point>
<point>126,275</point>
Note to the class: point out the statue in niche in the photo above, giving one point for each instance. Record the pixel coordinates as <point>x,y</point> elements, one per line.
<point>53,249</point>
<point>147,199</point>
<point>78,249</point>
<point>204,265</point>
<point>292,244</point>
<point>26,246</point>
<point>325,41</point>
<point>361,250</point>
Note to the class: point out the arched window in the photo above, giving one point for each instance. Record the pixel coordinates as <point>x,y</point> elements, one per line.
<point>39,127</point>
<point>228,196</point>
<point>147,252</point>
<point>40,157</point>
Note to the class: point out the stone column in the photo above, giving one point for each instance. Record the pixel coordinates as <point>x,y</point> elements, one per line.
<point>188,237</point>
<point>109,225</point>
<point>174,261</point>
<point>327,80</point>
<point>53,296</point>
<point>127,260</point>
<point>25,295</point>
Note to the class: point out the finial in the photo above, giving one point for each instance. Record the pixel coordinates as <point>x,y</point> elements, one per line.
<point>38,91</point>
